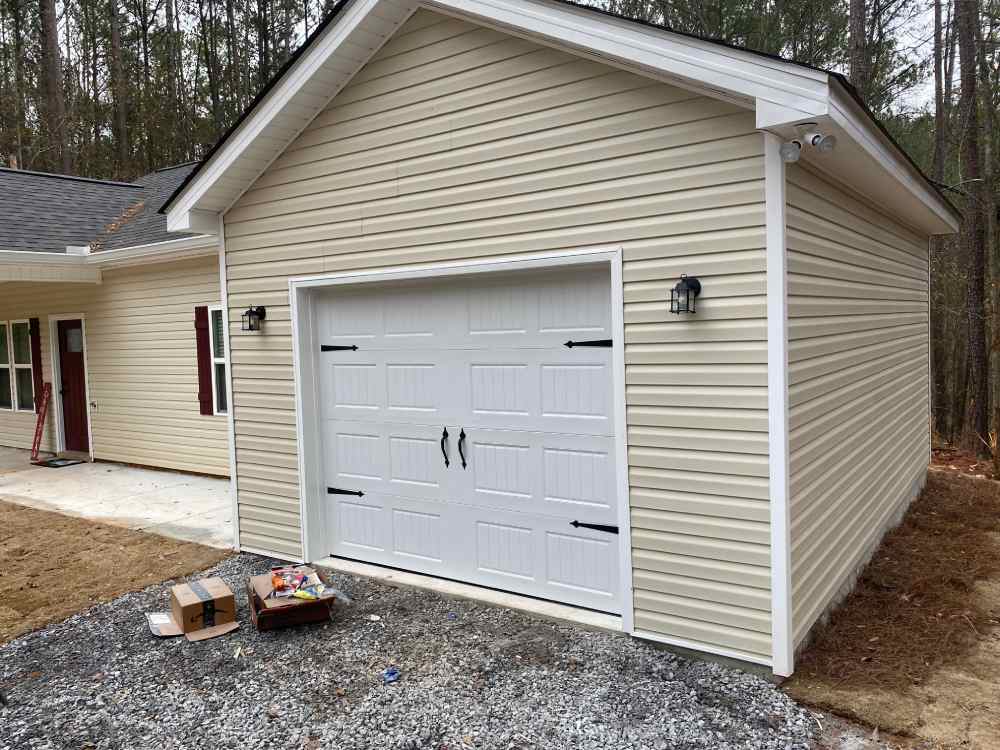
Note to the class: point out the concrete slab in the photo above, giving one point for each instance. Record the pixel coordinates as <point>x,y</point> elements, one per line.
<point>182,506</point>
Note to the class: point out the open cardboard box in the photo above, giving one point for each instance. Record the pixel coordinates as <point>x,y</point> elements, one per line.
<point>269,612</point>
<point>199,610</point>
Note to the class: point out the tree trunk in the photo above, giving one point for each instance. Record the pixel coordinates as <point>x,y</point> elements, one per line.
<point>55,105</point>
<point>973,236</point>
<point>938,395</point>
<point>858,58</point>
<point>120,92</point>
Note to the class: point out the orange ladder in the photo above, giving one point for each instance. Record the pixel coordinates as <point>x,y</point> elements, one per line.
<point>43,409</point>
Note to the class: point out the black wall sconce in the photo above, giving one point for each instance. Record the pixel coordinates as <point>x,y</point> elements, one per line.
<point>683,294</point>
<point>252,318</point>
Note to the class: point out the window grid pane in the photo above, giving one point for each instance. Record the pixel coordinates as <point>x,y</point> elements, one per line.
<point>22,343</point>
<point>6,402</point>
<point>218,342</point>
<point>25,389</point>
<point>4,356</point>
<point>221,405</point>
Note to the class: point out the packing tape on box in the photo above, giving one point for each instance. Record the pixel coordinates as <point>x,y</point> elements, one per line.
<point>207,604</point>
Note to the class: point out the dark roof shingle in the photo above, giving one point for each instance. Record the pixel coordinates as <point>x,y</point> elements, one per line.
<point>45,212</point>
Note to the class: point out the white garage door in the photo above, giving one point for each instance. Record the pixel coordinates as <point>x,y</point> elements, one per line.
<point>463,438</point>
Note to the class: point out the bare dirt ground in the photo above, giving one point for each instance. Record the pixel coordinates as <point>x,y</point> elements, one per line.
<point>53,566</point>
<point>915,649</point>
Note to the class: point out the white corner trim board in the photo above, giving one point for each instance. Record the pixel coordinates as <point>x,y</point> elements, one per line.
<point>783,660</point>
<point>307,303</point>
<point>231,415</point>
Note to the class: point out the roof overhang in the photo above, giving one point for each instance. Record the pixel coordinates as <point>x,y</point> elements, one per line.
<point>783,94</point>
<point>19,265</point>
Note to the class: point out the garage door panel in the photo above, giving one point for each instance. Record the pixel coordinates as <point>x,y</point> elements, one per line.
<point>562,390</point>
<point>534,508</point>
<point>394,458</point>
<point>379,317</point>
<point>508,550</point>
<point>360,528</point>
<point>563,476</point>
<point>538,309</point>
<point>546,558</point>
<point>404,386</point>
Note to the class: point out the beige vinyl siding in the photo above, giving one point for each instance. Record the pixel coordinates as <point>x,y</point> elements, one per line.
<point>142,363</point>
<point>858,383</point>
<point>458,142</point>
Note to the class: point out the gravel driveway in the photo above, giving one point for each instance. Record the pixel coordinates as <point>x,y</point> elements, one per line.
<point>472,676</point>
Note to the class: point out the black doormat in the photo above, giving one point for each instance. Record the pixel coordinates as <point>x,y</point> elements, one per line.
<point>58,463</point>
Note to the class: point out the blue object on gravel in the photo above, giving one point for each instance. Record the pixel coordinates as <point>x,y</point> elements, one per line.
<point>390,675</point>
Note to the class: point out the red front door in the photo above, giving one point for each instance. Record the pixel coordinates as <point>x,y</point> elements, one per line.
<point>73,385</point>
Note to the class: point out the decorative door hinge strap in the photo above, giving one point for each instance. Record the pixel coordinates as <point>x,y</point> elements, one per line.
<point>598,342</point>
<point>337,491</point>
<point>334,348</point>
<point>595,527</point>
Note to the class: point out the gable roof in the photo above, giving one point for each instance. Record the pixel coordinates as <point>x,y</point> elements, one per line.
<point>44,212</point>
<point>783,93</point>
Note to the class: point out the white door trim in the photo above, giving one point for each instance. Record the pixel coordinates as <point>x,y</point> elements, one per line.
<point>56,400</point>
<point>307,396</point>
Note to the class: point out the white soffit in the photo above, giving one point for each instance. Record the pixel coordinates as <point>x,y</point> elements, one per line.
<point>781,93</point>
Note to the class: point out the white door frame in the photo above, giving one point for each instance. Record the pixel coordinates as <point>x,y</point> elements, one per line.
<point>307,399</point>
<point>56,400</point>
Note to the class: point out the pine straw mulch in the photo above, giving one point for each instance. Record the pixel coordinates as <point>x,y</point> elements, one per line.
<point>955,459</point>
<point>915,649</point>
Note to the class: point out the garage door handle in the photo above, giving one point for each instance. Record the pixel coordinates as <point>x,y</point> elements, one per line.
<point>461,442</point>
<point>444,450</point>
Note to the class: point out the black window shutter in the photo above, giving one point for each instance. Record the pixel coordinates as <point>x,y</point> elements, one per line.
<point>35,334</point>
<point>204,360</point>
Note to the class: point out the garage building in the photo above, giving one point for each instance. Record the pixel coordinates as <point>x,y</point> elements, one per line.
<point>452,232</point>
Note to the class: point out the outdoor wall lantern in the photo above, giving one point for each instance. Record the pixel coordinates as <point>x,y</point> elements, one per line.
<point>683,294</point>
<point>252,318</point>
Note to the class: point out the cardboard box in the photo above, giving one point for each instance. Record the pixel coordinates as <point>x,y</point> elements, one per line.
<point>269,613</point>
<point>203,609</point>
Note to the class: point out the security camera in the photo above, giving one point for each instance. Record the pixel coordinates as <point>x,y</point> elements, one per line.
<point>822,143</point>
<point>790,151</point>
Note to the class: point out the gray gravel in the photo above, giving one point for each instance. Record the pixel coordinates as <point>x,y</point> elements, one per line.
<point>472,676</point>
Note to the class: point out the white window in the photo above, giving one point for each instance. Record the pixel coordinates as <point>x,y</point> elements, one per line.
<point>217,342</point>
<point>17,381</point>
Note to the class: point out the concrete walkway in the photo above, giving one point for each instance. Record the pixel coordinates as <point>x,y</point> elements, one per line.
<point>182,506</point>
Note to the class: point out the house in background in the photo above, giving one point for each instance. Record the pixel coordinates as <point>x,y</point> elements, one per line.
<point>123,318</point>
<point>464,221</point>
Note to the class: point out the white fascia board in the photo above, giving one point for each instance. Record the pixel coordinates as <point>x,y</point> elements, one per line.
<point>185,247</point>
<point>855,122</point>
<point>321,49</point>
<point>39,257</point>
<point>16,265</point>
